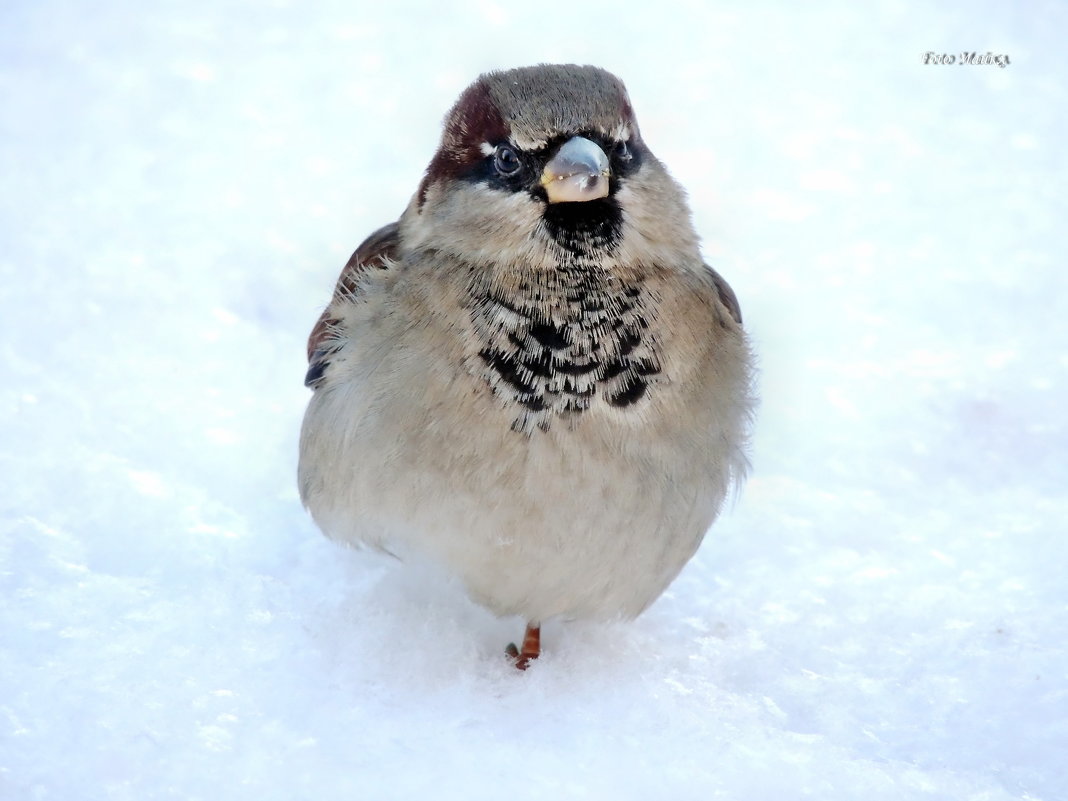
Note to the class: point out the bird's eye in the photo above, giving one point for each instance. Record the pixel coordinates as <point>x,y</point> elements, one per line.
<point>622,151</point>
<point>506,161</point>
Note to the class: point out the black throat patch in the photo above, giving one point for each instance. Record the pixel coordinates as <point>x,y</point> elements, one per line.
<point>581,228</point>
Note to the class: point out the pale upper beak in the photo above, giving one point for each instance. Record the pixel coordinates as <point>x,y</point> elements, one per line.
<point>579,171</point>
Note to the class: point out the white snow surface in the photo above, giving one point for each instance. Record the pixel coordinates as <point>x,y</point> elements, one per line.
<point>882,615</point>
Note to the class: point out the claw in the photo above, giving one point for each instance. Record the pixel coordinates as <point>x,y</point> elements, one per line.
<point>530,650</point>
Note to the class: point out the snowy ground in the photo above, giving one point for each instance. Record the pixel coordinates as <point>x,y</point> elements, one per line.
<point>884,614</point>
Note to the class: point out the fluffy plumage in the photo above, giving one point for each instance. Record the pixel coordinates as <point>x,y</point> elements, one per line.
<point>549,399</point>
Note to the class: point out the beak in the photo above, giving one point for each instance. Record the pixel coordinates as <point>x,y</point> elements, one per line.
<point>579,171</point>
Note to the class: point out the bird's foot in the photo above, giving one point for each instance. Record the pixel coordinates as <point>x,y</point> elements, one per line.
<point>530,650</point>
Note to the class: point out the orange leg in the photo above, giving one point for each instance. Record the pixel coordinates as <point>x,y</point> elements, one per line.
<point>531,647</point>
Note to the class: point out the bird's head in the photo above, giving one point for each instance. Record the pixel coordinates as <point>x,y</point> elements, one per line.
<point>541,161</point>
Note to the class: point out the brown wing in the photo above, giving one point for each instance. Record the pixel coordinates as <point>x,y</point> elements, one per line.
<point>376,251</point>
<point>726,295</point>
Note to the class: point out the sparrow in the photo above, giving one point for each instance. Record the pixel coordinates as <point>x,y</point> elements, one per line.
<point>532,379</point>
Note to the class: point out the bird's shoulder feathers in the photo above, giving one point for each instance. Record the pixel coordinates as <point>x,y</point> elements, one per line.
<point>726,294</point>
<point>377,251</point>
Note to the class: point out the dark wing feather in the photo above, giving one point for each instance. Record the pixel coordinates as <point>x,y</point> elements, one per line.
<point>726,295</point>
<point>375,252</point>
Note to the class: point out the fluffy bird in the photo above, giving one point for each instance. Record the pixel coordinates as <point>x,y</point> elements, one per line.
<point>532,379</point>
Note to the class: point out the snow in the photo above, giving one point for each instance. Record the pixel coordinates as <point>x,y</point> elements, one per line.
<point>882,615</point>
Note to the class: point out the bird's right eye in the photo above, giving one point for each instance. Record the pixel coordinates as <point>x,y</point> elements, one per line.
<point>506,161</point>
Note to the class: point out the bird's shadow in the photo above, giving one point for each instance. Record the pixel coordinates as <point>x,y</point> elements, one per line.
<point>399,622</point>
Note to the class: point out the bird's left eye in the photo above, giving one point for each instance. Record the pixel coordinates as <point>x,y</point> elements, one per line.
<point>622,151</point>
<point>506,161</point>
